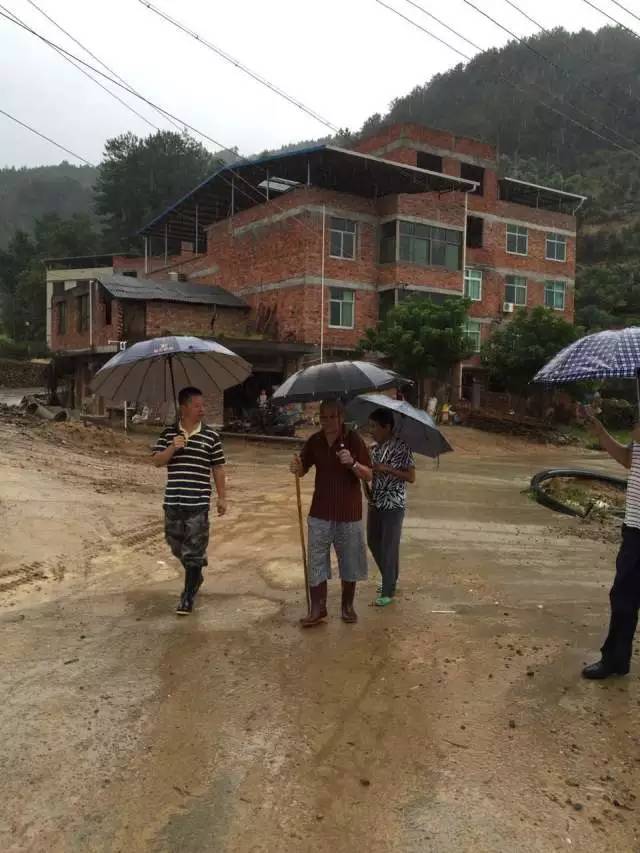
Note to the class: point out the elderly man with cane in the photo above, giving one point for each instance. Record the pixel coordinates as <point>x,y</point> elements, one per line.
<point>341,461</point>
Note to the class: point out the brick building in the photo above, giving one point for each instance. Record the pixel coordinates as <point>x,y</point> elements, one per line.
<point>97,305</point>
<point>319,243</point>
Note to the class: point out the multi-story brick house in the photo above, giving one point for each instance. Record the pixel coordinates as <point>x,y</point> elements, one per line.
<point>408,211</point>
<point>321,242</point>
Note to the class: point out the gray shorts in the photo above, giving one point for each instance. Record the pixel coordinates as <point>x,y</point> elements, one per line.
<point>348,540</point>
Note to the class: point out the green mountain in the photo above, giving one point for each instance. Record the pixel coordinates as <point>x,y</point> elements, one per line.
<point>26,194</point>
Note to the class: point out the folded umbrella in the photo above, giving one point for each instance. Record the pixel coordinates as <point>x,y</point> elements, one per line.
<point>335,380</point>
<point>150,371</point>
<point>412,425</point>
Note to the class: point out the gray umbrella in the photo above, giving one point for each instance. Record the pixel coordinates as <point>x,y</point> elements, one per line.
<point>413,426</point>
<point>150,371</point>
<point>335,380</point>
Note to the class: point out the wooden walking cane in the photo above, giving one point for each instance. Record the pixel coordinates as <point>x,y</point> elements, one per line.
<point>304,549</point>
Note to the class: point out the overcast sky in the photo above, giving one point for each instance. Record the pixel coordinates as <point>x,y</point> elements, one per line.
<point>345,59</point>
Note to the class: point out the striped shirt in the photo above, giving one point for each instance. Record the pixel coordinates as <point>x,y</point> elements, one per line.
<point>189,469</point>
<point>387,491</point>
<point>632,511</point>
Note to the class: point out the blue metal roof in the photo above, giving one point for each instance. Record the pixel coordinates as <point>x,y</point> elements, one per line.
<point>321,165</point>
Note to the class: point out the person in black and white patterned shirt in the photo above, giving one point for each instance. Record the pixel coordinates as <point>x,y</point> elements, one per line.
<point>624,596</point>
<point>191,451</point>
<point>393,467</point>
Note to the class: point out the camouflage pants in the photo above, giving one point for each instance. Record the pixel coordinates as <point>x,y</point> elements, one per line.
<point>187,534</point>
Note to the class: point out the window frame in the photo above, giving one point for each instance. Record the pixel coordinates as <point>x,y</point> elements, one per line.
<point>510,228</point>
<point>471,335</point>
<point>556,239</point>
<point>61,312</point>
<point>467,280</point>
<point>341,231</point>
<point>341,302</point>
<point>435,237</point>
<point>82,305</point>
<point>520,283</point>
<point>554,283</point>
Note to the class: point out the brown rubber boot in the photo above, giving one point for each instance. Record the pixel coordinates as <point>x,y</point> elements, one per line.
<point>348,594</point>
<point>318,610</point>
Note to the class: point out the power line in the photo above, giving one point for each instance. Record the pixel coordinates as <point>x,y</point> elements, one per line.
<point>567,42</point>
<point>42,136</point>
<point>164,112</point>
<point>253,74</point>
<point>562,70</point>
<point>88,52</point>
<point>628,11</point>
<point>185,124</point>
<point>86,74</point>
<point>611,18</point>
<point>510,82</point>
<point>446,26</point>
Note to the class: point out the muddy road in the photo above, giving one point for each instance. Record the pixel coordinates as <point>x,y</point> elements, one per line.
<point>454,720</point>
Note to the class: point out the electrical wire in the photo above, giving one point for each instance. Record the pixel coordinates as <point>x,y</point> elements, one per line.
<point>511,83</point>
<point>185,124</point>
<point>569,45</point>
<point>86,73</point>
<point>48,138</point>
<point>253,74</point>
<point>88,52</point>
<point>611,18</point>
<point>563,71</point>
<point>628,11</point>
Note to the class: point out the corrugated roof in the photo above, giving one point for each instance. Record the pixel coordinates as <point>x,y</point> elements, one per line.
<point>147,289</point>
<point>326,166</point>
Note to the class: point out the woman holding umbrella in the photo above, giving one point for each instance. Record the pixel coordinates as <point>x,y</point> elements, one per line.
<point>393,467</point>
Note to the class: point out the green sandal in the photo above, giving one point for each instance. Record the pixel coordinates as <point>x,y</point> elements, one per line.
<point>383,601</point>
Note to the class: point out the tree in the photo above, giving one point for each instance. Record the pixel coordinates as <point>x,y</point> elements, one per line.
<point>22,279</point>
<point>518,349</point>
<point>423,338</point>
<point>139,177</point>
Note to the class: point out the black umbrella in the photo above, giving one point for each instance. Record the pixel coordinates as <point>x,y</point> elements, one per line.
<point>335,380</point>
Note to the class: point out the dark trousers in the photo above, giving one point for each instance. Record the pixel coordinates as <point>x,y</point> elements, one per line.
<point>187,534</point>
<point>625,602</point>
<point>384,529</point>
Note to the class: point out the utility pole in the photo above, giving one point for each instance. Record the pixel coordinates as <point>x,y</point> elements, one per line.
<point>122,345</point>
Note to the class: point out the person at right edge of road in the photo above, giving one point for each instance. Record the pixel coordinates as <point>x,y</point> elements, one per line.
<point>625,592</point>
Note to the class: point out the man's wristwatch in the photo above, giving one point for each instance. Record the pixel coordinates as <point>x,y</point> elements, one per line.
<point>355,462</point>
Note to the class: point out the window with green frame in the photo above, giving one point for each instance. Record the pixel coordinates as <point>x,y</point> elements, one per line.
<point>341,308</point>
<point>555,295</point>
<point>473,284</point>
<point>473,333</point>
<point>515,289</point>
<point>429,246</point>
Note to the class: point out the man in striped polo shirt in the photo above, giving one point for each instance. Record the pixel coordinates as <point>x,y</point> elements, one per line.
<point>191,451</point>
<point>625,592</point>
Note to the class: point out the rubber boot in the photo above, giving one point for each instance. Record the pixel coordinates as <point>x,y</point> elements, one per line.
<point>191,586</point>
<point>348,594</point>
<point>318,610</point>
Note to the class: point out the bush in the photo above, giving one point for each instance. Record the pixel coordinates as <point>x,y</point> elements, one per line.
<point>22,349</point>
<point>618,414</point>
